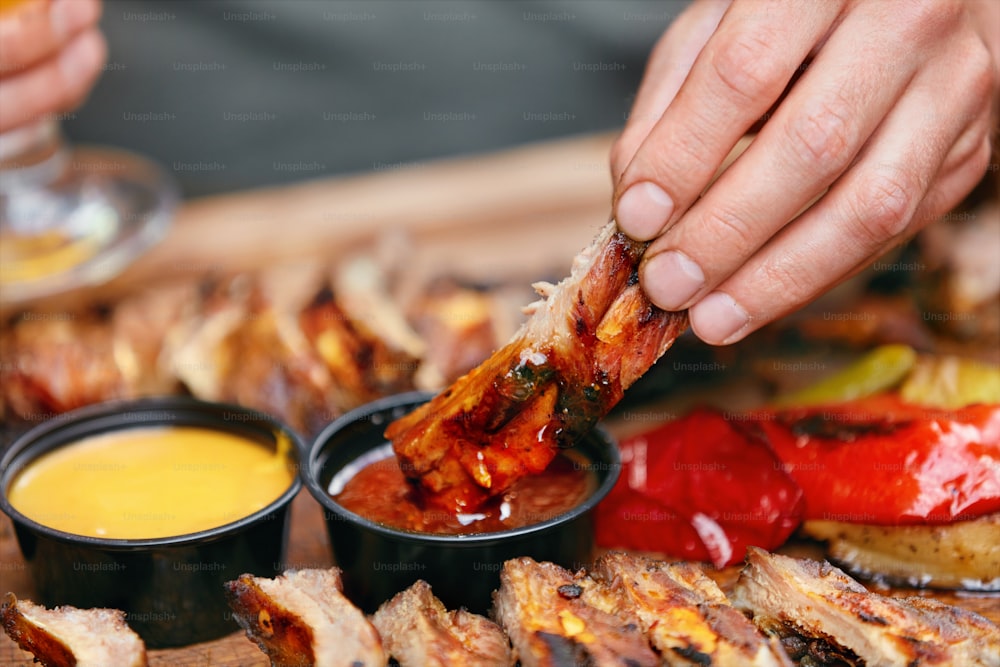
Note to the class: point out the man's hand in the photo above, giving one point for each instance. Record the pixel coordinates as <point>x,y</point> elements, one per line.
<point>876,120</point>
<point>50,55</point>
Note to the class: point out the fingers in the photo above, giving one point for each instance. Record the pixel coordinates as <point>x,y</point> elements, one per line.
<point>35,31</point>
<point>898,185</point>
<point>57,84</point>
<point>814,135</point>
<point>669,64</point>
<point>740,72</point>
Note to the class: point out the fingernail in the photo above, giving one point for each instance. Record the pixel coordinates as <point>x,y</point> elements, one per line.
<point>671,279</point>
<point>81,58</point>
<point>69,16</point>
<point>643,210</point>
<point>718,319</point>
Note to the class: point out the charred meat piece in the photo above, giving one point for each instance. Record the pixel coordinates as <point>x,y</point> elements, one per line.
<point>237,347</point>
<point>274,369</point>
<point>363,366</point>
<point>540,606</point>
<point>822,613</point>
<point>462,325</point>
<point>363,290</point>
<point>139,326</point>
<point>301,618</point>
<point>686,615</point>
<point>68,637</point>
<point>593,336</point>
<point>55,362</point>
<point>418,631</point>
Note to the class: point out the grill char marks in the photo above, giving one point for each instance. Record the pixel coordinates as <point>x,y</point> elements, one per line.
<point>418,631</point>
<point>685,614</point>
<point>832,614</point>
<point>550,629</point>
<point>302,618</point>
<point>593,335</point>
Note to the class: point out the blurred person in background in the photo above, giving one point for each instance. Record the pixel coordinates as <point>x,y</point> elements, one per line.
<point>876,115</point>
<point>238,94</point>
<point>50,56</point>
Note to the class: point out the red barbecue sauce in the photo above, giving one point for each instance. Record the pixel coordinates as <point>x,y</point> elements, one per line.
<point>381,493</point>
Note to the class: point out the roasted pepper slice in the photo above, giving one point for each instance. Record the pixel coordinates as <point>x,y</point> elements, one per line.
<point>880,370</point>
<point>698,488</point>
<point>884,461</point>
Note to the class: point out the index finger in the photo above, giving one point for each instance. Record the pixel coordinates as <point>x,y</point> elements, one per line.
<point>33,31</point>
<point>739,74</point>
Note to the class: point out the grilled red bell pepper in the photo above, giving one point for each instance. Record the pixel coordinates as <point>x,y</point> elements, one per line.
<point>699,488</point>
<point>707,485</point>
<point>882,461</point>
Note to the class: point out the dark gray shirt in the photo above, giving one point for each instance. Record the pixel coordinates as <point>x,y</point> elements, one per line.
<point>239,94</point>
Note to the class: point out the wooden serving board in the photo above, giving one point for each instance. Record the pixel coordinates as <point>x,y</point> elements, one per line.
<point>309,547</point>
<point>523,212</point>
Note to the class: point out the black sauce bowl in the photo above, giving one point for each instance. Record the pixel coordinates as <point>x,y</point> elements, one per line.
<point>379,561</point>
<point>170,588</point>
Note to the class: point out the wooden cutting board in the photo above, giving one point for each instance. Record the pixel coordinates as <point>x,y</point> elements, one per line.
<point>309,547</point>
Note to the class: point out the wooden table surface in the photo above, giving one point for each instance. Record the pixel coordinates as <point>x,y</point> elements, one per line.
<point>522,211</point>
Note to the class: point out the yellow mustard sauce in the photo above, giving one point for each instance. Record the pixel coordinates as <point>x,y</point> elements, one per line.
<point>151,482</point>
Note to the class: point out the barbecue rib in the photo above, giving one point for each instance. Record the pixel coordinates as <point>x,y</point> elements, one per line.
<point>821,612</point>
<point>68,637</point>
<point>541,607</point>
<point>594,335</point>
<point>686,615</point>
<point>301,618</point>
<point>418,631</point>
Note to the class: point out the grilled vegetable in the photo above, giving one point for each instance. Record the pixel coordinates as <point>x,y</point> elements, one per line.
<point>879,370</point>
<point>964,554</point>
<point>699,488</point>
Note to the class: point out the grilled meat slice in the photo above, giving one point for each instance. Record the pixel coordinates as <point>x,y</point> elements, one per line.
<point>594,335</point>
<point>686,615</point>
<point>540,607</point>
<point>363,290</point>
<point>139,326</point>
<point>818,608</point>
<point>68,637</point>
<point>418,631</point>
<point>301,618</point>
<point>362,365</point>
<point>462,324</point>
<point>239,347</point>
<point>55,362</point>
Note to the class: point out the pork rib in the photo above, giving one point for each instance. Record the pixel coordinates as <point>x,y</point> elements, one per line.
<point>686,615</point>
<point>815,607</point>
<point>301,618</point>
<point>550,624</point>
<point>593,336</point>
<point>68,637</point>
<point>418,631</point>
